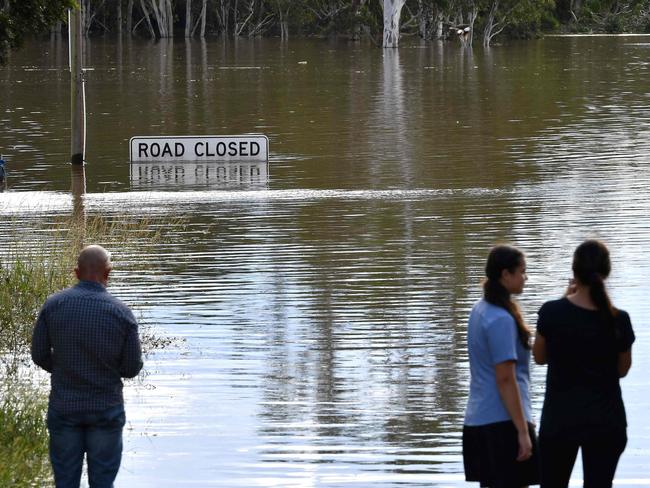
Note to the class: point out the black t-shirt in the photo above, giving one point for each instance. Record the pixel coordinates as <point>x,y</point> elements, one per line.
<point>583,396</point>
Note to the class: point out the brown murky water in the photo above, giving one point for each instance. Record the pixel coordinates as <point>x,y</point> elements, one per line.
<point>323,300</point>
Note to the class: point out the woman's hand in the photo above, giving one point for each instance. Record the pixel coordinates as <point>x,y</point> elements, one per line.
<point>571,287</point>
<point>525,446</point>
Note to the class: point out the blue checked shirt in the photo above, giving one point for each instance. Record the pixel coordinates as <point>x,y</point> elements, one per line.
<point>88,340</point>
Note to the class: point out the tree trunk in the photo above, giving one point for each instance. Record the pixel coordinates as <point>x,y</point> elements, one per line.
<point>472,18</point>
<point>284,21</point>
<point>156,14</point>
<point>356,9</point>
<point>204,14</point>
<point>164,18</point>
<point>143,6</point>
<point>225,21</point>
<point>422,20</point>
<point>119,17</point>
<point>170,18</point>
<point>56,30</point>
<point>392,12</point>
<point>488,31</point>
<point>188,17</point>
<point>235,19</point>
<point>439,24</point>
<point>84,8</point>
<point>129,17</point>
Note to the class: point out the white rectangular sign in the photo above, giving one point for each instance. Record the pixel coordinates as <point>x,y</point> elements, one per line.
<point>199,148</point>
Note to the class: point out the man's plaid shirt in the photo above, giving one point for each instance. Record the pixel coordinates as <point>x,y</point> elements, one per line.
<point>89,341</point>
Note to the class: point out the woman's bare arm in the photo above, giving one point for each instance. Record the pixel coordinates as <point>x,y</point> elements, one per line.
<point>624,362</point>
<point>539,349</point>
<point>509,392</point>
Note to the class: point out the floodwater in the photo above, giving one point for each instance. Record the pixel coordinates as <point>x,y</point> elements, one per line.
<point>322,299</point>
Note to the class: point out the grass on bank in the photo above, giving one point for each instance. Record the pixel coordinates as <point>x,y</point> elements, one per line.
<point>32,268</point>
<point>23,436</point>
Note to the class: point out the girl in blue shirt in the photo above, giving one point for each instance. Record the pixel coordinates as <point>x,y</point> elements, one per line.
<point>499,443</point>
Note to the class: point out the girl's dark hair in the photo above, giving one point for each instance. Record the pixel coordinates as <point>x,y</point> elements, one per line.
<point>505,257</point>
<point>591,266</point>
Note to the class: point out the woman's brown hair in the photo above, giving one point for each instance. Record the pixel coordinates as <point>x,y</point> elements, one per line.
<point>509,258</point>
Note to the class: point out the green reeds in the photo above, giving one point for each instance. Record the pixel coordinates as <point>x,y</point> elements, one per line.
<point>33,265</point>
<point>23,435</point>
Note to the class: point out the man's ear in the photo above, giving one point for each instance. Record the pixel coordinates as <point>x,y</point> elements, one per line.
<point>77,273</point>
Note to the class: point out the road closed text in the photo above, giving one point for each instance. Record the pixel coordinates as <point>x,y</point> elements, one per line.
<point>211,148</point>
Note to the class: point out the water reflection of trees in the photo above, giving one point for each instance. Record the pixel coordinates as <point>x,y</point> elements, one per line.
<point>380,342</point>
<point>391,283</point>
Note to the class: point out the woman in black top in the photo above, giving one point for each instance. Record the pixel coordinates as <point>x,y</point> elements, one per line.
<point>587,344</point>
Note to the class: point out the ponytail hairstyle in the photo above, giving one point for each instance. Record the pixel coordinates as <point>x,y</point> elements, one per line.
<point>591,266</point>
<point>505,257</point>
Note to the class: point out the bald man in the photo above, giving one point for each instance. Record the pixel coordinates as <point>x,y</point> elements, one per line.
<point>88,340</point>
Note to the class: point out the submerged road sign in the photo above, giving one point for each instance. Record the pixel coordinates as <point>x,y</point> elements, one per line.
<point>199,148</point>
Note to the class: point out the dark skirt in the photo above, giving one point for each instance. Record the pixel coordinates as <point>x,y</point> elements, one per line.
<point>490,456</point>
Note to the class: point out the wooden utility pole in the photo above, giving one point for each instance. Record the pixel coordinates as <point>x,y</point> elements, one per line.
<point>77,89</point>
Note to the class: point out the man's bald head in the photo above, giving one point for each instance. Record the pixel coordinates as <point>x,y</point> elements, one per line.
<point>94,264</point>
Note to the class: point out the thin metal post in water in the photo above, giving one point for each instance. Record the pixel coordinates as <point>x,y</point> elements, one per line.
<point>78,190</point>
<point>77,89</point>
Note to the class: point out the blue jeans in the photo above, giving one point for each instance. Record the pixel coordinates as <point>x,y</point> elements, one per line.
<point>98,435</point>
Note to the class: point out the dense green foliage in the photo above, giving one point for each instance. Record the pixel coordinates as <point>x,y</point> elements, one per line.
<point>612,16</point>
<point>19,18</point>
<point>26,280</point>
<point>429,19</point>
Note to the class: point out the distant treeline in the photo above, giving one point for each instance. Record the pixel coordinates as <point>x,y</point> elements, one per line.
<point>428,19</point>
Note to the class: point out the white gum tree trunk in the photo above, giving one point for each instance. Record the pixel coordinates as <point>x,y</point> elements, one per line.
<point>392,12</point>
<point>188,18</point>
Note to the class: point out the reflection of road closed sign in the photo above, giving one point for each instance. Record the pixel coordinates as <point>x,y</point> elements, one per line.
<point>199,148</point>
<point>152,174</point>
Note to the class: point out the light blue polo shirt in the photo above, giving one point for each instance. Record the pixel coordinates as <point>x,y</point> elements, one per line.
<point>492,339</point>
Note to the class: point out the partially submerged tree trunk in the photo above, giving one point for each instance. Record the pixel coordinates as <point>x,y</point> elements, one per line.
<point>423,11</point>
<point>438,24</point>
<point>224,16</point>
<point>240,26</point>
<point>356,8</point>
<point>284,7</point>
<point>201,21</point>
<point>392,12</point>
<point>145,12</point>
<point>119,17</point>
<point>188,18</point>
<point>473,14</point>
<point>170,18</point>
<point>55,31</point>
<point>129,17</point>
<point>235,19</point>
<point>492,26</point>
<point>162,12</point>
<point>204,13</point>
